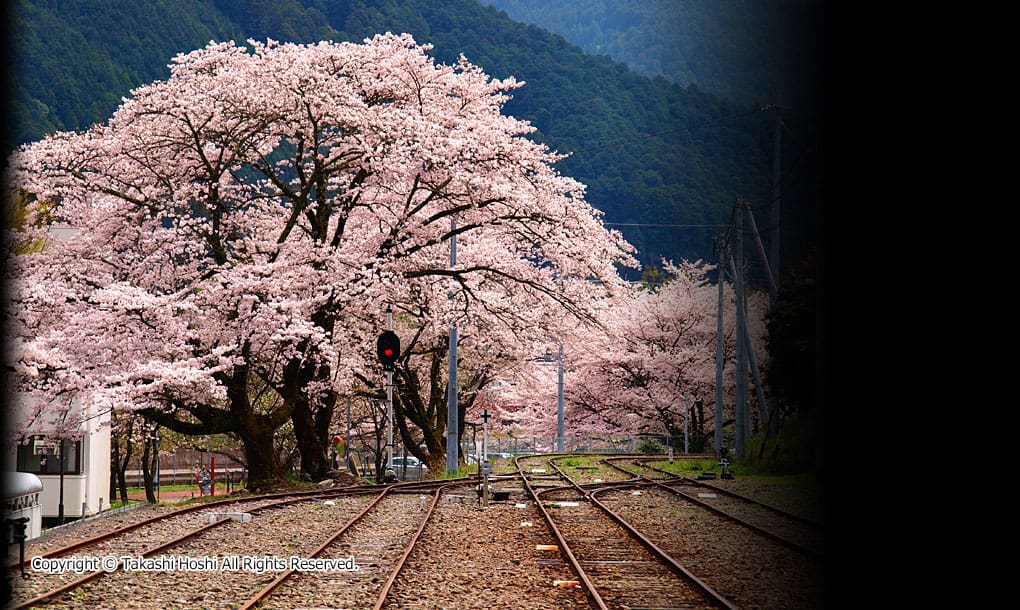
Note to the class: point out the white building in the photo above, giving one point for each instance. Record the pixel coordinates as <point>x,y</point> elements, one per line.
<point>83,456</point>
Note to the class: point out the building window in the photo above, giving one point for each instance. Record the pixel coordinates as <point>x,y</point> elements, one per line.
<point>41,456</point>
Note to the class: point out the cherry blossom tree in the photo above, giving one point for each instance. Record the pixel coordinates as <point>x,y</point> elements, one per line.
<point>652,357</point>
<point>498,323</point>
<point>242,226</point>
<point>658,357</point>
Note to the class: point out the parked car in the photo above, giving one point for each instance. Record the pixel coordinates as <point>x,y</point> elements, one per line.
<point>416,469</point>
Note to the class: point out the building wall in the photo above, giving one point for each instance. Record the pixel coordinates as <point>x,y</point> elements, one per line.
<point>92,484</point>
<point>96,457</point>
<point>74,494</point>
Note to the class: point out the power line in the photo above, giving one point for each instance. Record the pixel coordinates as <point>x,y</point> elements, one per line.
<point>665,226</point>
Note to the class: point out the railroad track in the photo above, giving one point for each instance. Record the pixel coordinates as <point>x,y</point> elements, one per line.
<point>617,565</point>
<point>183,530</point>
<point>376,558</point>
<point>671,477</point>
<point>789,529</point>
<point>610,551</point>
<point>225,505</point>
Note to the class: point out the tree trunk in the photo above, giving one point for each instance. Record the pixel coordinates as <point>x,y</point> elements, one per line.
<point>150,459</point>
<point>122,467</point>
<point>114,466</point>
<point>263,470</point>
<point>256,430</point>
<point>312,433</point>
<point>149,455</point>
<point>311,423</point>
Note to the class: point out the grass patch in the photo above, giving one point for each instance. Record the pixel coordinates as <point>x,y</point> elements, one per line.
<point>119,504</point>
<point>464,471</point>
<point>141,490</point>
<point>687,468</point>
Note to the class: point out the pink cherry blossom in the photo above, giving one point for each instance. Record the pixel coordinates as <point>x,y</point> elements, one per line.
<point>241,227</point>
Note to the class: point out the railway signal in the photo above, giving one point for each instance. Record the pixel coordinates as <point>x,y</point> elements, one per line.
<point>388,349</point>
<point>724,463</point>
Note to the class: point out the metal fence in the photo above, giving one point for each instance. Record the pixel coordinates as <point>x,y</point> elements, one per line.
<point>625,443</point>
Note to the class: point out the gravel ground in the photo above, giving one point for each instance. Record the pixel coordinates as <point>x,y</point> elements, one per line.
<point>129,543</point>
<point>587,469</point>
<point>376,542</point>
<point>304,525</point>
<point>800,533</point>
<point>470,557</point>
<point>802,501</point>
<point>624,572</point>
<point>745,567</point>
<point>62,536</point>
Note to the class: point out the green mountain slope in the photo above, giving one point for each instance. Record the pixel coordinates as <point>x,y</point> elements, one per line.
<point>651,152</point>
<point>748,50</point>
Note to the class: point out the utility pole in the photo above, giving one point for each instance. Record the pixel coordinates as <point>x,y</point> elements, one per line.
<point>769,412</point>
<point>687,425</point>
<point>773,289</point>
<point>741,372</point>
<point>389,403</point>
<point>452,427</point>
<point>720,354</point>
<point>559,402</point>
<point>63,462</point>
<point>776,147</point>
<point>486,467</point>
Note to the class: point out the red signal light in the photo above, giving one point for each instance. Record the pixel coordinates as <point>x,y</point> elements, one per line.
<point>388,349</point>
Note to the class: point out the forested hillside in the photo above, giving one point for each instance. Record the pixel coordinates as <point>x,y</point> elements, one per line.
<point>652,152</point>
<point>747,50</point>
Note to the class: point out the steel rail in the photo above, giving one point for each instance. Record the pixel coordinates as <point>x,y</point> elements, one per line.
<point>70,586</point>
<point>723,490</point>
<point>410,486</point>
<point>102,537</point>
<point>722,513</point>
<point>663,555</point>
<point>74,584</point>
<point>381,600</point>
<point>266,591</point>
<point>671,563</point>
<point>564,547</point>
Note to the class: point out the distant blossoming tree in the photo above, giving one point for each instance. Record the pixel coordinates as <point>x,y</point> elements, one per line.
<point>241,227</point>
<point>652,356</point>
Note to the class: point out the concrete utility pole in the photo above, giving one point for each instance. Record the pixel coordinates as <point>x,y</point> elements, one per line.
<point>741,372</point>
<point>778,109</point>
<point>389,402</point>
<point>559,401</point>
<point>720,354</point>
<point>773,289</point>
<point>769,412</point>
<point>452,426</point>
